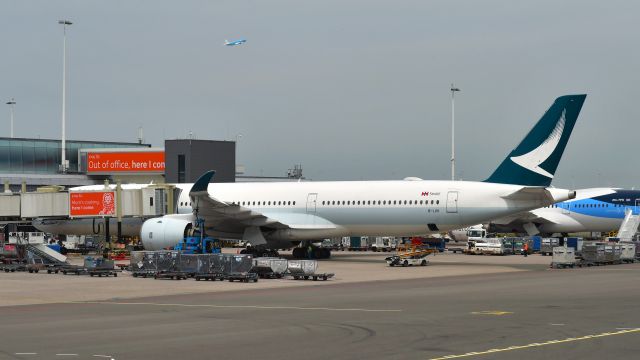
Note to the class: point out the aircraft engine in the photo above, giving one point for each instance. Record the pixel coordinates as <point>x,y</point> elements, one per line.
<point>164,232</point>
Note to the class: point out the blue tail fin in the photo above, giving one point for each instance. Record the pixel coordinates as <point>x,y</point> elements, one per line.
<point>535,160</point>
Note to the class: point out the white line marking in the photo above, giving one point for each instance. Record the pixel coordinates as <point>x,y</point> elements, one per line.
<point>539,344</point>
<point>26,354</point>
<point>238,306</point>
<point>557,324</point>
<point>104,356</point>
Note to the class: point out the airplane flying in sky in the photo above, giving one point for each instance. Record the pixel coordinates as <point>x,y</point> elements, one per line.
<point>281,215</point>
<point>235,42</point>
<point>592,210</point>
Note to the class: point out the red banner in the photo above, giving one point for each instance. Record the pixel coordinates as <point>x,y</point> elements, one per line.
<point>133,161</point>
<point>94,203</point>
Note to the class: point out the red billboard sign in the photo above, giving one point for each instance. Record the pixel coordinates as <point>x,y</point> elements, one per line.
<point>125,162</point>
<point>94,203</point>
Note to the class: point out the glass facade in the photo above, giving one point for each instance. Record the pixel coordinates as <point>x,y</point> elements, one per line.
<point>39,156</point>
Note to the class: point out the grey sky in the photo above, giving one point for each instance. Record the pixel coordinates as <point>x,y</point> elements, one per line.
<point>350,89</point>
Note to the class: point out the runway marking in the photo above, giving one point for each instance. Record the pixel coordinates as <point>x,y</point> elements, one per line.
<point>26,354</point>
<point>563,325</point>
<point>540,344</point>
<point>492,312</point>
<point>104,356</point>
<point>238,306</point>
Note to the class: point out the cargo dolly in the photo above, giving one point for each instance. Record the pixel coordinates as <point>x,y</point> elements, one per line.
<point>242,277</point>
<point>13,267</point>
<point>103,272</point>
<point>209,276</point>
<point>305,270</point>
<point>314,276</point>
<point>171,275</point>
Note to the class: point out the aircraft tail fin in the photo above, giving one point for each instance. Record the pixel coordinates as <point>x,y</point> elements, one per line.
<point>535,160</point>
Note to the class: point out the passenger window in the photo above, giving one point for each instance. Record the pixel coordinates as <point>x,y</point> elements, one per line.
<point>384,202</point>
<point>437,202</point>
<point>348,202</point>
<point>269,202</point>
<point>294,203</point>
<point>343,202</point>
<point>420,202</point>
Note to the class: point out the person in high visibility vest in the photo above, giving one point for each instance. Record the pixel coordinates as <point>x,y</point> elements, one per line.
<point>525,249</point>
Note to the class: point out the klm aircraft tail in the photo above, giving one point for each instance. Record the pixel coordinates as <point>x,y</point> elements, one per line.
<point>535,160</point>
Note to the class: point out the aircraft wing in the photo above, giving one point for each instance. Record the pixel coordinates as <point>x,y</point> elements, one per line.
<point>225,218</point>
<point>533,216</point>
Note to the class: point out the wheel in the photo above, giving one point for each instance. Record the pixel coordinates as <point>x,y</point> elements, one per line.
<point>115,274</point>
<point>64,272</point>
<point>30,271</point>
<point>423,263</point>
<point>135,275</point>
<point>91,275</point>
<point>48,271</point>
<point>324,278</point>
<point>36,271</point>
<point>197,278</point>
<point>255,280</point>
<point>405,263</point>
<point>306,277</point>
<point>56,271</point>
<point>315,278</point>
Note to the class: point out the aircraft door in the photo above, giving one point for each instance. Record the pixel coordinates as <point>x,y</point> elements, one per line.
<point>311,203</point>
<point>452,202</point>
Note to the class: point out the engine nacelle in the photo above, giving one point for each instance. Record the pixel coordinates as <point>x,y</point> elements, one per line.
<point>164,232</point>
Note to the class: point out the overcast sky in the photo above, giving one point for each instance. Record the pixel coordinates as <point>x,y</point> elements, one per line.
<point>350,89</point>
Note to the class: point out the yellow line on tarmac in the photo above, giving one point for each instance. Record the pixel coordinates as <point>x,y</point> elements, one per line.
<point>532,345</point>
<point>235,306</point>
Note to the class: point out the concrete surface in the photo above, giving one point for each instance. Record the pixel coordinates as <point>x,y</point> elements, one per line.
<point>24,288</point>
<point>523,311</point>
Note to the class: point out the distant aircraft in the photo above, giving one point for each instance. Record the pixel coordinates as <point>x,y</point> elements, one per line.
<point>235,42</point>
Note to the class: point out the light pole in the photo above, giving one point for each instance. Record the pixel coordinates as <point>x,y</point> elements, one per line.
<point>11,103</point>
<point>64,23</point>
<point>453,134</point>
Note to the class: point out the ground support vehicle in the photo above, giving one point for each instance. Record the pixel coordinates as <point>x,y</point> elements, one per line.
<point>103,272</point>
<point>563,257</point>
<point>396,260</point>
<point>410,255</point>
<point>73,269</point>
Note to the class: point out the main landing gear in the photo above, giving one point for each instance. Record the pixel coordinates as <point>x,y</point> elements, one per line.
<point>308,251</point>
<point>260,252</point>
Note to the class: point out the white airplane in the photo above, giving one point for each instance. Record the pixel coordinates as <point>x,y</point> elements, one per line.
<point>281,215</point>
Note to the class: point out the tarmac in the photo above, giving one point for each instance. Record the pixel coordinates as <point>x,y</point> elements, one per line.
<point>476,307</point>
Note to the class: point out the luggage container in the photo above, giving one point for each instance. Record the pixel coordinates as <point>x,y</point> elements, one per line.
<point>358,243</point>
<point>536,242</point>
<point>593,254</point>
<point>627,252</point>
<point>210,267</point>
<point>575,242</point>
<point>268,267</point>
<point>168,265</point>
<point>143,263</point>
<point>189,263</point>
<point>238,267</point>
<point>547,245</point>
<point>563,257</point>
<point>99,266</point>
<point>612,253</point>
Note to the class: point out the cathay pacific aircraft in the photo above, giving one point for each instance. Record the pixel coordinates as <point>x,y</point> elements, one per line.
<point>282,215</point>
<point>592,210</point>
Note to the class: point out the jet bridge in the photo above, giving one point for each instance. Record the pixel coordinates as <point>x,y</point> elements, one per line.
<point>55,202</point>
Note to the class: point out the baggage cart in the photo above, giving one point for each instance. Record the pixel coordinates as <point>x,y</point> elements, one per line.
<point>238,267</point>
<point>210,267</point>
<point>627,252</point>
<point>547,245</point>
<point>563,257</point>
<point>143,263</point>
<point>171,275</point>
<point>242,277</point>
<point>305,270</point>
<point>268,267</point>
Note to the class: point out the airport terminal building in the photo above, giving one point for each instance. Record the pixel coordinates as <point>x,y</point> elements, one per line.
<point>33,163</point>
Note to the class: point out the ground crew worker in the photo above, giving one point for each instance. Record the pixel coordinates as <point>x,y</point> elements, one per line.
<point>525,249</point>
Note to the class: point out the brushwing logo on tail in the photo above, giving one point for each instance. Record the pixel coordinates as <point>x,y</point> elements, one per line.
<point>533,159</point>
